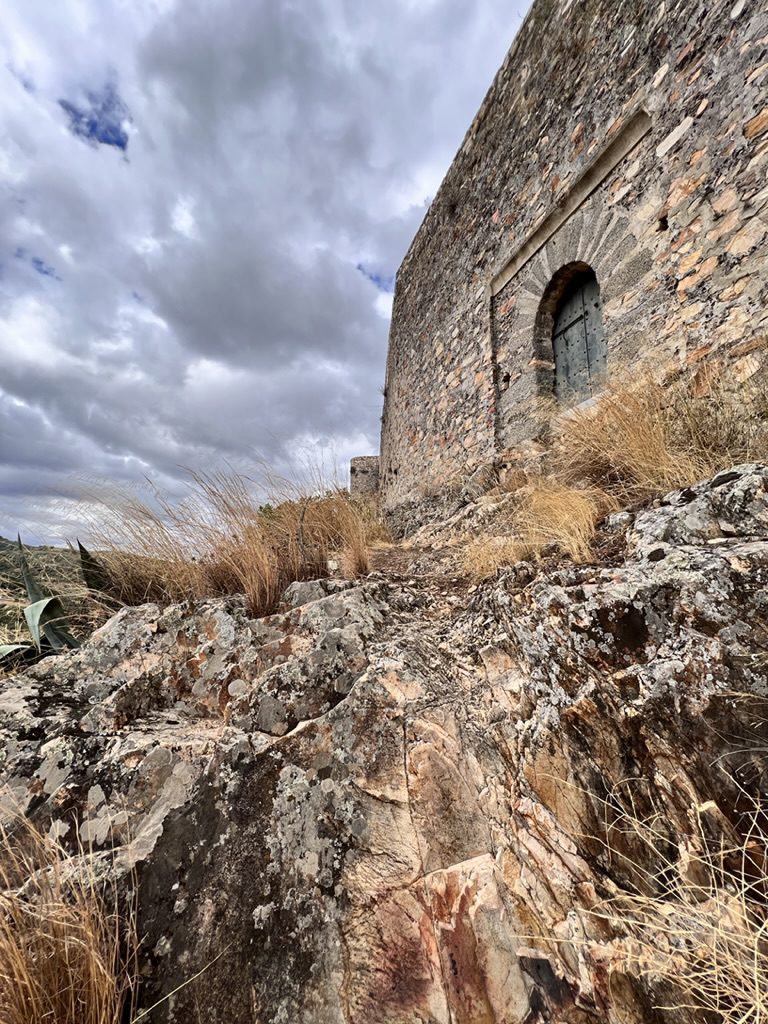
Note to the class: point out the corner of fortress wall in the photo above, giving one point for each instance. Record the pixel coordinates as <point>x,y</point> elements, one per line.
<point>631,139</point>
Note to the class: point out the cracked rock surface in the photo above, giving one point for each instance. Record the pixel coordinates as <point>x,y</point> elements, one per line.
<point>384,805</point>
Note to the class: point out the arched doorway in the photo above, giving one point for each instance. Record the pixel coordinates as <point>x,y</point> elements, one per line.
<point>578,341</point>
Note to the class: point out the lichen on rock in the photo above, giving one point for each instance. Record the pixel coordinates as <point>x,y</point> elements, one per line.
<point>385,804</point>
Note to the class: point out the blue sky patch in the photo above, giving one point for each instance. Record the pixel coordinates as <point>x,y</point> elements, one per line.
<point>384,282</point>
<point>101,119</point>
<point>43,268</point>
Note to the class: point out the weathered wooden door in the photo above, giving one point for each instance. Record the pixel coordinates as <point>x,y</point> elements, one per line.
<point>578,340</point>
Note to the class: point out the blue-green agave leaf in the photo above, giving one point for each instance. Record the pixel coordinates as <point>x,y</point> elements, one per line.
<point>6,649</point>
<point>94,573</point>
<point>46,619</point>
<point>34,591</point>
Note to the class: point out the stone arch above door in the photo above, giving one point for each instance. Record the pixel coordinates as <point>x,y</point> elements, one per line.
<point>597,237</point>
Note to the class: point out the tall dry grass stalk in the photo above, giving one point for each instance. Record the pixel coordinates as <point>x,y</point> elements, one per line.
<point>640,438</point>
<point>695,916</point>
<point>67,954</point>
<point>220,540</point>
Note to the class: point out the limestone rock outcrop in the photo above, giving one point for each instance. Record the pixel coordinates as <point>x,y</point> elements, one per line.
<point>388,803</point>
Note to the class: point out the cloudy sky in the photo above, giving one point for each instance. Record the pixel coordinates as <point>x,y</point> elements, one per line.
<point>203,205</point>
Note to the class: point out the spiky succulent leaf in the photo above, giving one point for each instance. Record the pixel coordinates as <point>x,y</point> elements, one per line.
<point>34,591</point>
<point>59,637</point>
<point>46,619</point>
<point>6,649</point>
<point>98,579</point>
<point>94,573</point>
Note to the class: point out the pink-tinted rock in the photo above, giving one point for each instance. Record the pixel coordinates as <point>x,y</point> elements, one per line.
<point>381,806</point>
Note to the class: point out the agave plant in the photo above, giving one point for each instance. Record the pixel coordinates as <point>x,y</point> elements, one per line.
<point>45,615</point>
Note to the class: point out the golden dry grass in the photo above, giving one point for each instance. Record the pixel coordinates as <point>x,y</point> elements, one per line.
<point>376,531</point>
<point>696,918</point>
<point>13,630</point>
<point>220,540</point>
<point>546,513</point>
<point>67,956</point>
<point>551,513</point>
<point>482,557</point>
<point>641,438</point>
<point>637,441</point>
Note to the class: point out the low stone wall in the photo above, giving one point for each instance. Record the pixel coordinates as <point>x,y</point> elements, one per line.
<point>631,139</point>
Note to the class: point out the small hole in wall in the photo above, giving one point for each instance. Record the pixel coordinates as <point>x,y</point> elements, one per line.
<point>663,223</point>
<point>505,379</point>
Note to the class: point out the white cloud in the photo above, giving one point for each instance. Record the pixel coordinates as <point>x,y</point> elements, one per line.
<point>383,305</point>
<point>27,333</point>
<point>183,219</point>
<point>190,293</point>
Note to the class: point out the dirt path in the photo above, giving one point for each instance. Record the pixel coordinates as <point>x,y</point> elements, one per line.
<point>435,574</point>
<point>434,566</point>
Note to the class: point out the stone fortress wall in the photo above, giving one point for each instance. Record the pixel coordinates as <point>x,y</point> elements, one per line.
<point>364,477</point>
<point>629,137</point>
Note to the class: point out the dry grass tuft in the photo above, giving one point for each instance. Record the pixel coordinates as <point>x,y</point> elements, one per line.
<point>641,438</point>
<point>376,531</point>
<point>66,956</point>
<point>482,557</point>
<point>13,629</point>
<point>546,513</point>
<point>695,917</point>
<point>638,440</point>
<point>220,541</point>
<point>550,513</point>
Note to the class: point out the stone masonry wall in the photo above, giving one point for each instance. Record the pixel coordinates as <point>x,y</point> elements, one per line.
<point>630,137</point>
<point>364,477</point>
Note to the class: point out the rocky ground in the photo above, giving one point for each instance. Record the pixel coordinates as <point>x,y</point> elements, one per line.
<point>397,801</point>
